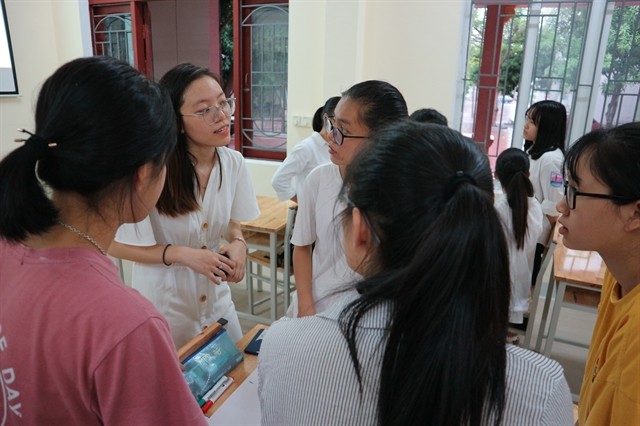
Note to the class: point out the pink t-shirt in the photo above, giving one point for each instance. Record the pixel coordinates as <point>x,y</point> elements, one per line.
<point>77,347</point>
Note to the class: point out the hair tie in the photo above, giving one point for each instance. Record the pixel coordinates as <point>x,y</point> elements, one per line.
<point>37,143</point>
<point>455,181</point>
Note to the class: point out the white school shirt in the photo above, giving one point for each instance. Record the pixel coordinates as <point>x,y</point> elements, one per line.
<point>306,155</point>
<point>548,185</point>
<point>188,300</point>
<point>318,221</point>
<point>520,261</point>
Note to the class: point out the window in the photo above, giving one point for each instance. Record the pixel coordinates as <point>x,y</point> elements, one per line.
<point>261,79</point>
<point>583,54</point>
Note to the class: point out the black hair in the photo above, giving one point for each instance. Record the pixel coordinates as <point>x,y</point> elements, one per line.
<point>381,103</point>
<point>179,193</point>
<point>429,115</point>
<point>97,121</point>
<point>512,170</point>
<point>550,117</point>
<point>318,123</point>
<point>442,266</point>
<point>330,105</point>
<point>613,157</point>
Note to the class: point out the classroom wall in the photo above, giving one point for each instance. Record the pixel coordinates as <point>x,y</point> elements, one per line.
<point>44,35</point>
<point>415,45</point>
<point>333,44</point>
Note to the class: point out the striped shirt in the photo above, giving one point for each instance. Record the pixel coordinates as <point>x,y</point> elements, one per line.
<point>307,376</point>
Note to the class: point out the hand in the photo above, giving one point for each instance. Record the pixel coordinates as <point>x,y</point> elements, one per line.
<point>215,266</point>
<point>237,252</point>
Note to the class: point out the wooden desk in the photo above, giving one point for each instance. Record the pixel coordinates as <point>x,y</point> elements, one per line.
<point>242,370</point>
<point>578,277</point>
<point>267,233</point>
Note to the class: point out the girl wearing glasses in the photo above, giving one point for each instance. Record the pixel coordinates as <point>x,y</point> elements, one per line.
<point>77,346</point>
<point>521,217</point>
<point>601,212</point>
<point>322,269</point>
<point>181,263</point>
<point>306,156</point>
<point>544,132</point>
<point>422,342</point>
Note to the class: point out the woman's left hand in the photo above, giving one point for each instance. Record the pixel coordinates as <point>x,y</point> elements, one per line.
<point>237,252</point>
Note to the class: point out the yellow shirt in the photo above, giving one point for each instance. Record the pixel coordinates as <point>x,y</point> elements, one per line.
<point>610,393</point>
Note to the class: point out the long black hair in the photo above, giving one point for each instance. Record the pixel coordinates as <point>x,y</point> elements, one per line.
<point>512,170</point>
<point>380,102</point>
<point>97,121</point>
<point>551,119</point>
<point>178,195</point>
<point>613,157</point>
<point>442,264</point>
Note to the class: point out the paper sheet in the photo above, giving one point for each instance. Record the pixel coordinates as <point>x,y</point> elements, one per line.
<point>242,407</point>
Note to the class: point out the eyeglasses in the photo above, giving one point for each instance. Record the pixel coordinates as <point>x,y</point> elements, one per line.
<point>338,136</point>
<point>570,194</point>
<point>210,115</point>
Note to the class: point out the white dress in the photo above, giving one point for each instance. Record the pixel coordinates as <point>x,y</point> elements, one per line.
<point>520,261</point>
<point>548,185</point>
<point>306,155</point>
<point>318,221</point>
<point>188,300</point>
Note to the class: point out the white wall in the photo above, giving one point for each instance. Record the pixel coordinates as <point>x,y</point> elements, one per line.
<point>333,44</point>
<point>44,35</point>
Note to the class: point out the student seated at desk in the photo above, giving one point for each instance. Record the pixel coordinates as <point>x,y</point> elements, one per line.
<point>77,347</point>
<point>601,212</point>
<point>423,341</point>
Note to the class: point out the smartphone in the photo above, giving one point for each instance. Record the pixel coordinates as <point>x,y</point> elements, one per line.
<point>253,347</point>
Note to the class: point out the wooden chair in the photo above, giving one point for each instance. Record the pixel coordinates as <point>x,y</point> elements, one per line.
<point>261,258</point>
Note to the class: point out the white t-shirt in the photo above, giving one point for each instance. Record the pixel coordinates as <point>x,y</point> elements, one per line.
<point>318,221</point>
<point>188,300</point>
<point>548,185</point>
<point>520,261</point>
<point>306,155</point>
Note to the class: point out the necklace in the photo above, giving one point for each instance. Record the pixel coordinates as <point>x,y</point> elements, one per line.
<point>83,235</point>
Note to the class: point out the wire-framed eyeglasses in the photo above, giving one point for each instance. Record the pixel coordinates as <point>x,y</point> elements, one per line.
<point>338,136</point>
<point>570,194</point>
<point>210,114</point>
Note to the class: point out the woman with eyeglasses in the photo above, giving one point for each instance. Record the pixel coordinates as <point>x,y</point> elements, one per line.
<point>422,341</point>
<point>321,269</point>
<point>601,212</point>
<point>545,130</point>
<point>77,347</point>
<point>306,156</point>
<point>181,262</point>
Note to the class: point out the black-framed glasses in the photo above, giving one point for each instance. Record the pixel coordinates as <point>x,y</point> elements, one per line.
<point>570,194</point>
<point>337,134</point>
<point>210,115</point>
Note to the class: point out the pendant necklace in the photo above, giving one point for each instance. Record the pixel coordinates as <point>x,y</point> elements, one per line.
<point>83,235</point>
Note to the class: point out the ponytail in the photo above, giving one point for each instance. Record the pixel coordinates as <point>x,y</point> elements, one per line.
<point>442,271</point>
<point>26,209</point>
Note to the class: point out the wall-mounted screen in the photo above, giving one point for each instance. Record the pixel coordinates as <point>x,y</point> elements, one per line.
<point>8,82</point>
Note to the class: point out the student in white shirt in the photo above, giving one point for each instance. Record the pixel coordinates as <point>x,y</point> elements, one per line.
<point>545,131</point>
<point>322,269</point>
<point>306,155</point>
<point>521,217</point>
<point>191,245</point>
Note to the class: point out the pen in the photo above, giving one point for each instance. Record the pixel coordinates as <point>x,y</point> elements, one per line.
<point>215,387</point>
<point>220,390</point>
